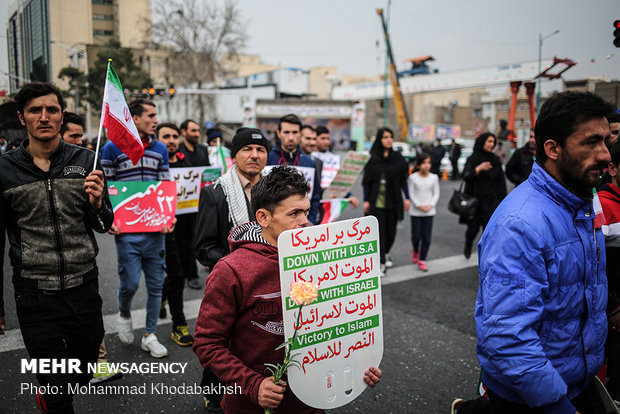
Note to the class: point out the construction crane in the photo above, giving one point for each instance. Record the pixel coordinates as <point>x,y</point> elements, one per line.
<point>399,103</point>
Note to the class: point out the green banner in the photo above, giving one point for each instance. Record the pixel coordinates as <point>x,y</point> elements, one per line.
<point>211,174</point>
<point>338,331</point>
<point>340,291</point>
<point>329,255</point>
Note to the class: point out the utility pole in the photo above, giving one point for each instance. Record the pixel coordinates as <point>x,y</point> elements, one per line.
<point>540,44</point>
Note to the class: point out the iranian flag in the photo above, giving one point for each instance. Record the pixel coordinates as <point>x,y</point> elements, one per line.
<point>332,209</point>
<point>599,218</point>
<point>116,118</point>
<point>220,154</point>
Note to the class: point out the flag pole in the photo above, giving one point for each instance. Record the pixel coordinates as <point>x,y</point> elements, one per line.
<point>102,116</point>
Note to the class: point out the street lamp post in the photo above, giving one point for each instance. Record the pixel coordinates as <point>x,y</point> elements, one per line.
<point>540,43</point>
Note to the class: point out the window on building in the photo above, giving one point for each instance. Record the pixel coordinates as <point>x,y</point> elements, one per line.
<point>98,32</point>
<point>102,16</point>
<point>103,1</point>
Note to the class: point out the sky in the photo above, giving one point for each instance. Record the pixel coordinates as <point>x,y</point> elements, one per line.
<point>459,34</point>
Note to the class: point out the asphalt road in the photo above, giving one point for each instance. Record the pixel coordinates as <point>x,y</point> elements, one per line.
<point>429,335</point>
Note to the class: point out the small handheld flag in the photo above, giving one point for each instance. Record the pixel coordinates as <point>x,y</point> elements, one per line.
<point>332,209</point>
<point>117,119</point>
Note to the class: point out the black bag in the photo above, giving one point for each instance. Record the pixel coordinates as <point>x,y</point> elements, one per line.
<point>462,204</point>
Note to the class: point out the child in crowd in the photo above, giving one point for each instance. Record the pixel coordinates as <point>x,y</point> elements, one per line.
<point>424,193</point>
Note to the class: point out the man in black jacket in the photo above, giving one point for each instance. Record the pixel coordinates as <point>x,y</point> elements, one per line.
<point>454,155</point>
<point>196,155</point>
<point>51,200</point>
<point>168,134</point>
<point>225,205</point>
<point>217,216</point>
<point>520,164</point>
<point>437,154</point>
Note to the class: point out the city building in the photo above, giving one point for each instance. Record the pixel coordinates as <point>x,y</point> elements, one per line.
<point>44,36</point>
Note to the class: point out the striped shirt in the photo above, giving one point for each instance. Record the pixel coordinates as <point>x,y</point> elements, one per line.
<point>153,166</point>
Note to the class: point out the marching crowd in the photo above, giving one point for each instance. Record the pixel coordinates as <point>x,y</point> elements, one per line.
<point>548,256</point>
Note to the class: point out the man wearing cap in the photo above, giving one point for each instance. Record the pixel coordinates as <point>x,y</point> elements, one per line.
<point>196,155</point>
<point>225,205</point>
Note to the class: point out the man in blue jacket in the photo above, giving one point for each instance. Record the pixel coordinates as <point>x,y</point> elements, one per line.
<point>288,152</point>
<point>540,312</point>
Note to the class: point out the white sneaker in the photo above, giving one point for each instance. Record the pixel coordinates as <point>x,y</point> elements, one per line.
<point>388,261</point>
<point>152,345</point>
<point>125,330</point>
<point>383,270</point>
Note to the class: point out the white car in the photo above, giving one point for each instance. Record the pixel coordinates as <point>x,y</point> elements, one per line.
<point>447,165</point>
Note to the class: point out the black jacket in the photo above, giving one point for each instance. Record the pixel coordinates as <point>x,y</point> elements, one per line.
<point>437,154</point>
<point>49,220</point>
<point>489,187</point>
<point>196,158</point>
<point>520,164</point>
<point>394,170</point>
<point>213,225</point>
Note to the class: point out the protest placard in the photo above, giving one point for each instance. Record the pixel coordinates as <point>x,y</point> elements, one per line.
<point>143,206</point>
<point>331,165</point>
<point>352,167</point>
<point>190,180</point>
<point>307,172</point>
<point>339,335</point>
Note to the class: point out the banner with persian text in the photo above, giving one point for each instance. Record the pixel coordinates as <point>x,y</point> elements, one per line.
<point>190,180</point>
<point>143,206</point>
<point>340,335</point>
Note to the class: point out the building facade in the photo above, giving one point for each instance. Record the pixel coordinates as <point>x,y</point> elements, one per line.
<point>44,36</point>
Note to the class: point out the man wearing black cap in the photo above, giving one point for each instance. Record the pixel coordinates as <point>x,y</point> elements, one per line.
<point>225,205</point>
<point>196,155</point>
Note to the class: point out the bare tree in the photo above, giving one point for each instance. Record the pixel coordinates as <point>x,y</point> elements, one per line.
<point>200,34</point>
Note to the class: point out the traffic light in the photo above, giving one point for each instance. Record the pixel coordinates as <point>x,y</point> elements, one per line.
<point>171,91</point>
<point>151,91</point>
<point>617,33</point>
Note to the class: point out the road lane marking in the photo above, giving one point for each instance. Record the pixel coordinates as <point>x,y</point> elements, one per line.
<point>12,339</point>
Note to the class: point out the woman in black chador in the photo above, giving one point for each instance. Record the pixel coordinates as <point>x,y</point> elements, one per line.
<point>484,179</point>
<point>384,183</point>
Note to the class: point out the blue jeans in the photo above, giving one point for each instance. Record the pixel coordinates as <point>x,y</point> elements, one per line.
<point>137,252</point>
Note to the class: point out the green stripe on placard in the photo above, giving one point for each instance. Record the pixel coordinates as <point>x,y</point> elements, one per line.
<point>345,172</point>
<point>329,255</point>
<point>340,183</point>
<point>113,78</point>
<point>357,162</point>
<point>338,331</point>
<point>337,292</point>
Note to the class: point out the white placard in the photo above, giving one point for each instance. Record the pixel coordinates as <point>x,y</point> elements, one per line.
<point>307,172</point>
<point>190,180</point>
<point>331,165</point>
<point>352,167</point>
<point>341,334</point>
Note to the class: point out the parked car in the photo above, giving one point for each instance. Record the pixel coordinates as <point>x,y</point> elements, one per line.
<point>406,150</point>
<point>447,165</point>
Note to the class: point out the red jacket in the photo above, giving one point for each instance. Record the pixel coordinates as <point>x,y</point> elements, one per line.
<point>609,195</point>
<point>239,325</point>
